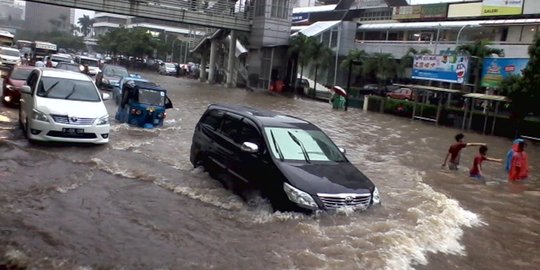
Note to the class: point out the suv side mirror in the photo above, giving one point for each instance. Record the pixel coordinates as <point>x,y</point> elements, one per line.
<point>26,89</point>
<point>342,150</point>
<point>249,147</point>
<point>106,96</point>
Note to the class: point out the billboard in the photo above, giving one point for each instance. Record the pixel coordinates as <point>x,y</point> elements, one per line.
<point>496,69</point>
<point>444,68</point>
<point>502,7</point>
<point>465,10</point>
<point>420,11</point>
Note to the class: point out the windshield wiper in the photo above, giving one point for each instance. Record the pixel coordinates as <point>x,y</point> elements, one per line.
<point>71,93</point>
<point>297,141</point>
<point>50,88</point>
<point>276,146</point>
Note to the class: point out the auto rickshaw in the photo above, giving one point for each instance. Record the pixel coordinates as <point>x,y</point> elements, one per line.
<point>143,104</point>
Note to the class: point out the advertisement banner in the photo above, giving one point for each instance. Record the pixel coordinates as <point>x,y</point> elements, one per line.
<point>502,7</point>
<point>495,70</point>
<point>444,68</point>
<point>420,11</point>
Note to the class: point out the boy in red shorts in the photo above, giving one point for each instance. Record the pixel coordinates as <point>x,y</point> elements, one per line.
<point>454,151</point>
<point>476,170</point>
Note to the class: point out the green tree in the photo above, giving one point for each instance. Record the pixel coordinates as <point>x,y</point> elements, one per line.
<point>299,48</point>
<point>382,66</point>
<point>407,60</point>
<point>354,55</point>
<point>523,90</point>
<point>478,51</point>
<point>319,53</point>
<point>86,24</point>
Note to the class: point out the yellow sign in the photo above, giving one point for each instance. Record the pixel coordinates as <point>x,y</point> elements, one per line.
<point>502,7</point>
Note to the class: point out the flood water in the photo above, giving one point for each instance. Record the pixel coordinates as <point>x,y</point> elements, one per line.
<point>138,203</point>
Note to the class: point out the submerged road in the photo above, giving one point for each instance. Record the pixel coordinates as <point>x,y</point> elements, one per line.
<point>137,203</point>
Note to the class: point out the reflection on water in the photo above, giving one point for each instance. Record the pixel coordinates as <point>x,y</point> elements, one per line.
<point>138,203</point>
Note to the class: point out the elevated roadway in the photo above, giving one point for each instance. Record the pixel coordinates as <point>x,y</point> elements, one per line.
<point>219,14</point>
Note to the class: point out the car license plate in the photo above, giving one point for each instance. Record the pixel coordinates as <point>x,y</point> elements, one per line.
<point>73,130</point>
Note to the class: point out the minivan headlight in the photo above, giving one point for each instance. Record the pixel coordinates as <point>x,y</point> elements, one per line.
<point>104,120</point>
<point>376,196</point>
<point>299,197</point>
<point>40,116</point>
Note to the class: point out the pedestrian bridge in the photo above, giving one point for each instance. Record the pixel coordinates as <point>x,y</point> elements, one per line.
<point>225,14</point>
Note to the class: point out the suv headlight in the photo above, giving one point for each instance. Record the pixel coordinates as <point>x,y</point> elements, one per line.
<point>376,196</point>
<point>40,116</point>
<point>104,120</point>
<point>299,197</point>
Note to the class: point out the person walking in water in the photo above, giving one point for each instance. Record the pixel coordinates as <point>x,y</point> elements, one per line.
<point>519,165</point>
<point>510,154</point>
<point>454,152</point>
<point>476,170</point>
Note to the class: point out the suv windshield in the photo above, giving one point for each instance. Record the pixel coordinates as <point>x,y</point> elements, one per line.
<point>301,144</point>
<point>20,74</point>
<point>68,66</point>
<point>60,59</point>
<point>152,97</point>
<point>89,62</point>
<point>116,71</point>
<point>169,65</point>
<point>61,88</point>
<point>10,52</point>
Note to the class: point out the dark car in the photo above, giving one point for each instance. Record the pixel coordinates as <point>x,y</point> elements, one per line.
<point>16,78</point>
<point>110,76</point>
<point>294,164</point>
<point>69,66</point>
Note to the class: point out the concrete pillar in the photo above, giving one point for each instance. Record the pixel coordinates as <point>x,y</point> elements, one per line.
<point>202,70</point>
<point>213,55</point>
<point>231,60</point>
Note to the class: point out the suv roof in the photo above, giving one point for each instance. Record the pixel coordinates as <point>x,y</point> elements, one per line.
<point>265,118</point>
<point>60,73</point>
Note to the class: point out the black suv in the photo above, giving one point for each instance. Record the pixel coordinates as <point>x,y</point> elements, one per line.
<point>293,163</point>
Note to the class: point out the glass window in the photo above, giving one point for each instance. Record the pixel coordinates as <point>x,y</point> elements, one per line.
<point>248,133</point>
<point>212,119</point>
<point>60,59</point>
<point>290,141</point>
<point>20,74</point>
<point>152,97</point>
<point>260,8</point>
<point>230,127</point>
<point>89,62</point>
<point>60,88</point>
<point>116,71</point>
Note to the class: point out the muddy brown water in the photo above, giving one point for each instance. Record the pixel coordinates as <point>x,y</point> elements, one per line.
<point>137,203</point>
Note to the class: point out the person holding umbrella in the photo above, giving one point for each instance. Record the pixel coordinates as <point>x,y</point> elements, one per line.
<point>338,98</point>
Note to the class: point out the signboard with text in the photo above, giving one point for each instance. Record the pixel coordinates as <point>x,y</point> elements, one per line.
<point>495,70</point>
<point>502,7</point>
<point>300,18</point>
<point>420,11</point>
<point>444,68</point>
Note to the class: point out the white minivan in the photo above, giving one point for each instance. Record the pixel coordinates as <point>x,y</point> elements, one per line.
<point>60,105</point>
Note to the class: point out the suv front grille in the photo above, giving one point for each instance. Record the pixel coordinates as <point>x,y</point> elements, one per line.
<point>64,119</point>
<point>344,200</point>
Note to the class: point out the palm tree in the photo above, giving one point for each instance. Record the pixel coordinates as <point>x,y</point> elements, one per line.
<point>354,55</point>
<point>299,50</point>
<point>86,24</point>
<point>318,54</point>
<point>382,65</point>
<point>478,50</point>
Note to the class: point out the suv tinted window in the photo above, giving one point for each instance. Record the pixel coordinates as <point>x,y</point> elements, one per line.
<point>248,133</point>
<point>230,127</point>
<point>212,119</point>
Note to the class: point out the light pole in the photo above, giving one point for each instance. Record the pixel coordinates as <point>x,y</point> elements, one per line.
<point>459,33</point>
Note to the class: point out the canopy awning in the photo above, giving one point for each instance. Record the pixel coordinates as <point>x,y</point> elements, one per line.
<point>428,88</point>
<point>314,9</point>
<point>487,97</point>
<point>444,24</point>
<point>317,28</point>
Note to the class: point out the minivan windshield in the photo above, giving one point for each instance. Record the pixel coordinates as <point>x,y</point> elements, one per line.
<point>60,88</point>
<point>10,52</point>
<point>20,74</point>
<point>116,71</point>
<point>56,58</point>
<point>89,62</point>
<point>302,144</point>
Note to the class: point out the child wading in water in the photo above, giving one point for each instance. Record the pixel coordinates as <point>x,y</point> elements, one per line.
<point>476,170</point>
<point>454,151</point>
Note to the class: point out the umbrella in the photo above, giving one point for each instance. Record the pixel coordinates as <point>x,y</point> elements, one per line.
<point>340,91</point>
